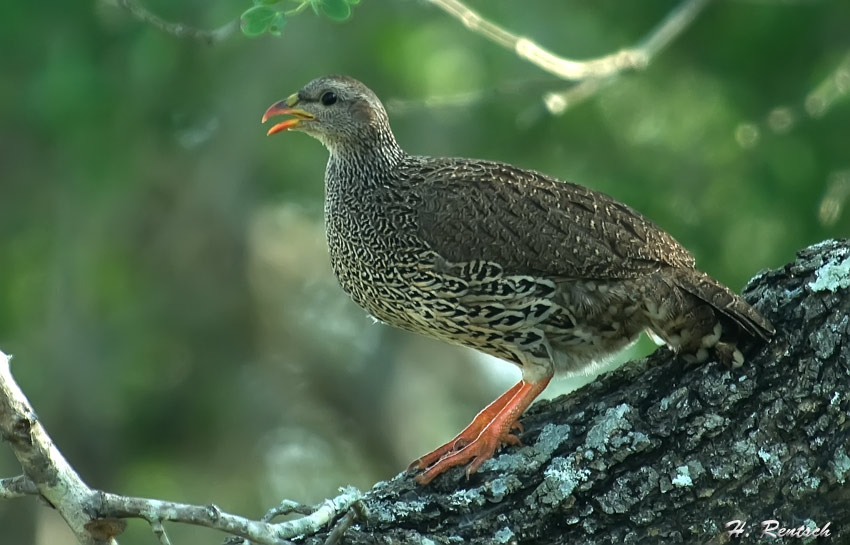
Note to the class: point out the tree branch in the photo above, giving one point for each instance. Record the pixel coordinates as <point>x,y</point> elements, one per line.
<point>592,75</point>
<point>17,487</point>
<point>635,58</point>
<point>180,30</point>
<point>600,70</point>
<point>210,516</point>
<point>659,452</point>
<point>41,461</point>
<point>653,452</point>
<point>92,514</point>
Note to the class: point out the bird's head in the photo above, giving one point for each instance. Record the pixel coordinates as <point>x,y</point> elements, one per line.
<point>337,110</point>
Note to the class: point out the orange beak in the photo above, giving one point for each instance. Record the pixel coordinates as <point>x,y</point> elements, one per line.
<point>285,107</point>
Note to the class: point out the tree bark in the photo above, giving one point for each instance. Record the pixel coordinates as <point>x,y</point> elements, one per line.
<point>661,452</point>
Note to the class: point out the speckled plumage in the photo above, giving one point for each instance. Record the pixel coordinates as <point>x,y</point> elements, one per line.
<point>545,274</point>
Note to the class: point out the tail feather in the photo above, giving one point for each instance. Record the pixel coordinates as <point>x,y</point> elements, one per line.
<point>724,301</point>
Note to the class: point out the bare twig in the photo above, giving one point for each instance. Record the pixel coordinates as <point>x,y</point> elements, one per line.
<point>634,58</point>
<point>179,30</point>
<point>286,507</point>
<point>210,516</point>
<point>96,517</point>
<point>108,506</point>
<point>592,75</point>
<point>558,102</point>
<point>17,487</point>
<point>600,69</point>
<point>343,524</point>
<point>159,532</point>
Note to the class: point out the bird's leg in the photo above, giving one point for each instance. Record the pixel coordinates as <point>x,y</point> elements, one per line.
<point>469,433</point>
<point>494,434</point>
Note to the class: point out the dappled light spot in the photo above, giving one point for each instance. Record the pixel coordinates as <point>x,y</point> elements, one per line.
<point>747,135</point>
<point>832,204</point>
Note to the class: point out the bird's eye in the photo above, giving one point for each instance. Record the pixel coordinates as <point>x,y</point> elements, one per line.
<point>328,98</point>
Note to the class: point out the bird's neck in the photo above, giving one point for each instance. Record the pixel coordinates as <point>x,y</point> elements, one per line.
<point>367,158</point>
<point>375,147</point>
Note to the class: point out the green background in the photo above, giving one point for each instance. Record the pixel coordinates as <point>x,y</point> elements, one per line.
<point>164,284</point>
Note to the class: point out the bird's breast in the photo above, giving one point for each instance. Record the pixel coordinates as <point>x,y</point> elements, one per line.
<point>369,242</point>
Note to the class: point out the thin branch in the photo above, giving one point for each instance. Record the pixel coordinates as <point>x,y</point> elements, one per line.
<point>158,511</point>
<point>109,506</point>
<point>159,532</point>
<point>601,68</point>
<point>668,29</point>
<point>286,507</point>
<point>210,516</point>
<point>17,487</point>
<point>339,529</point>
<point>635,58</point>
<point>592,75</point>
<point>297,9</point>
<point>558,102</point>
<point>180,30</point>
<point>96,517</point>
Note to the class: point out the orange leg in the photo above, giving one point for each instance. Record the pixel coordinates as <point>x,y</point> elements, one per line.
<point>491,429</point>
<point>469,433</point>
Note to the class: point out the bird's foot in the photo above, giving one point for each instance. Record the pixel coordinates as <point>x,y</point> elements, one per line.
<point>474,454</point>
<point>470,433</point>
<point>489,430</point>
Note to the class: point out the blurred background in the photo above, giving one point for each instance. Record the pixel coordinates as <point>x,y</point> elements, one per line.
<point>164,282</point>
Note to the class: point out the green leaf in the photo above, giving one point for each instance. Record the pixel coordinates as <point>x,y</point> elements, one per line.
<point>353,2</point>
<point>261,19</point>
<point>276,28</point>
<point>266,2</point>
<point>336,10</point>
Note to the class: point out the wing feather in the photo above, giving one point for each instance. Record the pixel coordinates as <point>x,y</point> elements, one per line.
<point>528,222</point>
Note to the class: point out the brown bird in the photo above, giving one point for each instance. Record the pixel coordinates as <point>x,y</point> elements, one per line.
<point>548,275</point>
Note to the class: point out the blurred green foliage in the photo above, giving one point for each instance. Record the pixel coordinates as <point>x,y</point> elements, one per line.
<point>164,285</point>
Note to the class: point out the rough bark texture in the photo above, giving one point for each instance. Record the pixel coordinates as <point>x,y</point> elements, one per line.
<point>659,452</point>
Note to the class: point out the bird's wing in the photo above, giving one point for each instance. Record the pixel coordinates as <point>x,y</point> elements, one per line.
<point>530,223</point>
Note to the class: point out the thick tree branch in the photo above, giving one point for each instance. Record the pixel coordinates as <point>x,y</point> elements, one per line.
<point>655,452</point>
<point>659,452</point>
<point>41,461</point>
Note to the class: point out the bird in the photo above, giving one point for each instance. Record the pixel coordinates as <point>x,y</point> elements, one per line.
<point>548,275</point>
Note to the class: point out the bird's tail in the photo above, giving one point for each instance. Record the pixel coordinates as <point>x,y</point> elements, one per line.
<point>725,301</point>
